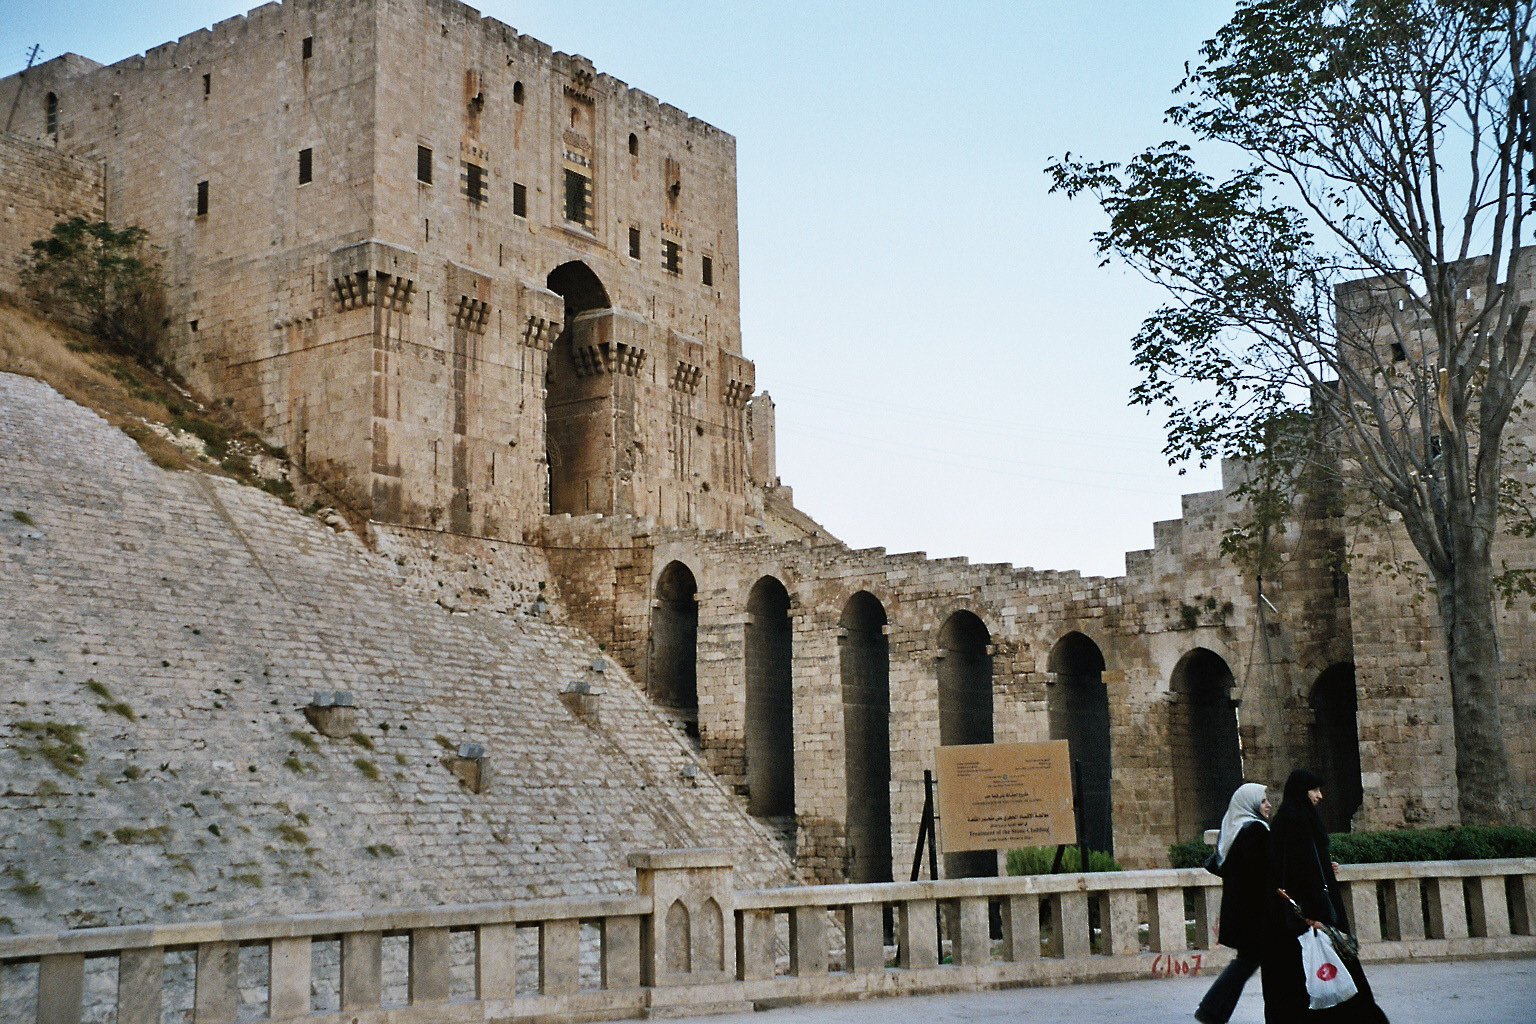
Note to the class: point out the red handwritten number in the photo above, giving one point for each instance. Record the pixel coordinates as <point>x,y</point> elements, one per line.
<point>1327,971</point>
<point>1164,966</point>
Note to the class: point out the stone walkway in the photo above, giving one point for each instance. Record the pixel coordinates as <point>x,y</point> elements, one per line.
<point>1473,992</point>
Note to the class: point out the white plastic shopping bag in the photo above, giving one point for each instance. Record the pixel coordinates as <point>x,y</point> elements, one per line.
<point>1328,983</point>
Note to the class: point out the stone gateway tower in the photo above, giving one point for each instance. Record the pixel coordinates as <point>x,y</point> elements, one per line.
<point>465,280</point>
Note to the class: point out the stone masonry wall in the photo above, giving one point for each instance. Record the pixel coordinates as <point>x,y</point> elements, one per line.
<point>39,187</point>
<point>164,632</point>
<point>393,320</point>
<point>1178,598</point>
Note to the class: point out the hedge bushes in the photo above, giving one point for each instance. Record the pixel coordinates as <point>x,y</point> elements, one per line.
<point>1189,854</point>
<point>1037,860</point>
<point>1467,842</point>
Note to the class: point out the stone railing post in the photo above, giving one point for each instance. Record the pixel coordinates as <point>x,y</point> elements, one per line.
<point>690,936</point>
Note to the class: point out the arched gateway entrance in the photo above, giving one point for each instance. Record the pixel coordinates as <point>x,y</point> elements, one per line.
<point>577,431</point>
<point>1202,735</point>
<point>673,668</point>
<point>965,711</point>
<point>770,723</point>
<point>1077,707</point>
<point>865,666</point>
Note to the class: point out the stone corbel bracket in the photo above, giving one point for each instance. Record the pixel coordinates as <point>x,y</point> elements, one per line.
<point>373,273</point>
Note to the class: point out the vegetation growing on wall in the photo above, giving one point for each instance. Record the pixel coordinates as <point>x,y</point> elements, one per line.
<point>102,280</point>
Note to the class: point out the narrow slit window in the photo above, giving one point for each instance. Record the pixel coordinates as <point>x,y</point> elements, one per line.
<point>634,243</point>
<point>202,199</point>
<point>424,165</point>
<point>517,93</point>
<point>671,256</point>
<point>207,84</point>
<point>307,48</point>
<point>707,271</point>
<point>51,113</point>
<point>634,144</point>
<point>519,199</point>
<point>306,166</point>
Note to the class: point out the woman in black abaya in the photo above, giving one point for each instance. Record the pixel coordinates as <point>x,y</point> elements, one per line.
<point>1301,866</point>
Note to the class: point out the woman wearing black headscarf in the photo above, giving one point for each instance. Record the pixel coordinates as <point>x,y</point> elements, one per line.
<point>1302,868</point>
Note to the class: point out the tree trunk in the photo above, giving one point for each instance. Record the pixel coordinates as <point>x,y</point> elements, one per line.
<point>1467,626</point>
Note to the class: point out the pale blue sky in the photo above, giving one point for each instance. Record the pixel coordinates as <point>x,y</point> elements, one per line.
<point>949,362</point>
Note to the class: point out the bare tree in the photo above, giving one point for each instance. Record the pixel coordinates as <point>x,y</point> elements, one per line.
<point>1358,287</point>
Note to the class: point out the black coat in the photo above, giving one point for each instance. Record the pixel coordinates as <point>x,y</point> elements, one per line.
<point>1301,866</point>
<point>1247,895</point>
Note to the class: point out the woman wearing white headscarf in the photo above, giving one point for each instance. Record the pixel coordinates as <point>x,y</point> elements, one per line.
<point>1242,861</point>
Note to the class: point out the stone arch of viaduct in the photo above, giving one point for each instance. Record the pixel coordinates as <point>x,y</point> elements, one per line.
<point>817,681</point>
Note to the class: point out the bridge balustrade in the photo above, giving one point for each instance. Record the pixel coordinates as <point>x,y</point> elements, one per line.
<point>687,942</point>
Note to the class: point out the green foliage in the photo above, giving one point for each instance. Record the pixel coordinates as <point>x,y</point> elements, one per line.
<point>362,740</point>
<point>130,836</point>
<point>215,436</point>
<point>110,706</point>
<point>1466,842</point>
<point>290,833</point>
<point>55,742</point>
<point>1037,860</point>
<point>382,850</point>
<point>22,518</point>
<point>107,281</point>
<point>368,768</point>
<point>304,738</point>
<point>1331,322</point>
<point>1189,854</point>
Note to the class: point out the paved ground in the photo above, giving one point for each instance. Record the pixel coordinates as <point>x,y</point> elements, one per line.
<point>1475,992</point>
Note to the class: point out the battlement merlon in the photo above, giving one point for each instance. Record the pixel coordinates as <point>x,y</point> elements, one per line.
<point>206,45</point>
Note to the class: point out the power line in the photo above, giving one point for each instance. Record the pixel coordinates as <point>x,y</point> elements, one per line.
<point>15,100</point>
<point>842,400</point>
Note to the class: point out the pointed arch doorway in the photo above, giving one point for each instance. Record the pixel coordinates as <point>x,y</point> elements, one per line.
<point>577,406</point>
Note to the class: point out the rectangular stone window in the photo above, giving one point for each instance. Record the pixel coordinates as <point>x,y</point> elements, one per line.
<point>307,48</point>
<point>306,166</point>
<point>519,199</point>
<point>671,256</point>
<point>207,84</point>
<point>707,271</point>
<point>202,199</point>
<point>578,198</point>
<point>424,164</point>
<point>477,183</point>
<point>634,243</point>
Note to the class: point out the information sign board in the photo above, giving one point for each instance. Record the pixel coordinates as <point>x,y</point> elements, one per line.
<point>998,795</point>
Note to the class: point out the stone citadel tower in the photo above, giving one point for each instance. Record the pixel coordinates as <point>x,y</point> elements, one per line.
<point>465,280</point>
